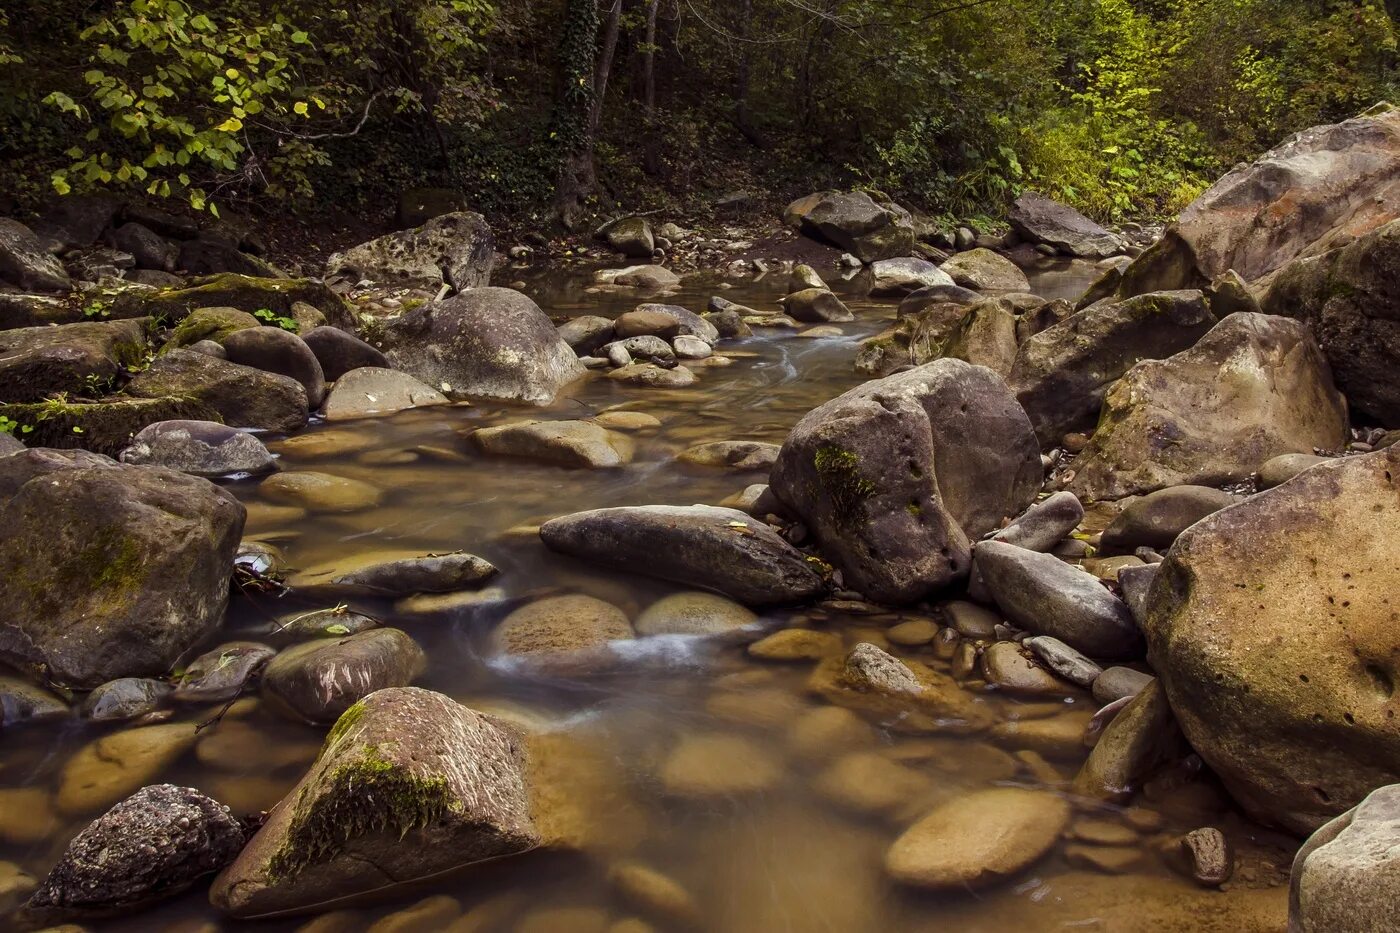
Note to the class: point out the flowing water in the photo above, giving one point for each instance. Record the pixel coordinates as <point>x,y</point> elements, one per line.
<point>802,850</point>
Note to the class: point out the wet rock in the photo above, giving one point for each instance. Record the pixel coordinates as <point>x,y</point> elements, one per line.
<point>1205,856</point>
<point>200,448</point>
<point>913,696</point>
<point>117,765</point>
<point>728,321</point>
<point>148,551</point>
<point>913,634</point>
<point>397,574</point>
<point>646,349</point>
<point>986,271</point>
<point>646,321</point>
<point>1110,860</point>
<point>1317,191</point>
<point>339,352</point>
<point>1042,594</point>
<point>797,644</point>
<point>737,455</point>
<point>1045,524</point>
<point>978,840</point>
<point>322,623</point>
<point>642,278</point>
<point>648,375</point>
<point>455,249</point>
<point>1343,876</point>
<point>274,350</point>
<point>1062,374</point>
<point>816,306</point>
<point>579,444</point>
<point>21,702</point>
<point>124,698</point>
<point>896,476</point>
<point>1280,399</point>
<point>318,680</point>
<point>691,348</point>
<point>804,277</point>
<point>1136,582</point>
<point>694,614</point>
<point>655,895</point>
<point>220,675</point>
<point>561,632</point>
<point>1277,656</point>
<point>243,396</point>
<point>854,222</point>
<point>586,333</point>
<point>209,324</point>
<point>870,784</point>
<point>1139,740</point>
<point>971,620</point>
<point>489,342</point>
<point>147,848</point>
<point>1007,666</point>
<point>1064,660</point>
<point>1156,520</point>
<point>687,323</point>
<point>1038,219</point>
<point>900,277</point>
<point>368,391</point>
<point>703,767</point>
<point>37,362</point>
<point>320,492</point>
<point>409,785</point>
<point>26,263</point>
<point>1284,467</point>
<point>627,420</point>
<point>711,548</point>
<point>1119,682</point>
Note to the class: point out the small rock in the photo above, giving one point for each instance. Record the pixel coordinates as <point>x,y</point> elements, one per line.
<point>1064,660</point>
<point>115,766</point>
<point>1118,682</point>
<point>796,644</point>
<point>320,492</point>
<point>654,895</point>
<point>370,390</point>
<point>566,443</point>
<point>200,448</point>
<point>719,766</point>
<point>1207,857</point>
<point>1007,666</point>
<point>694,613</point>
<point>123,699</point>
<point>220,675</point>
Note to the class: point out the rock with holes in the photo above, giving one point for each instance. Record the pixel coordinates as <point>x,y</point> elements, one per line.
<point>452,249</point>
<point>1272,627</point>
<point>896,477</point>
<point>409,785</point>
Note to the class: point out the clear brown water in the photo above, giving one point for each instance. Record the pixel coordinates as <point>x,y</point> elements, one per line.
<point>786,859</point>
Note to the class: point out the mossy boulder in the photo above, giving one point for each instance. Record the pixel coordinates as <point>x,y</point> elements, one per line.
<point>20,310</point>
<point>896,477</point>
<point>1060,375</point>
<point>245,292</point>
<point>454,249</point>
<point>409,785</point>
<point>108,570</point>
<point>208,324</point>
<point>107,426</point>
<point>243,397</point>
<point>631,236</point>
<point>39,362</point>
<point>917,338</point>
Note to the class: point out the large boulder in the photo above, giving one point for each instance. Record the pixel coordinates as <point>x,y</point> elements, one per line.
<point>854,222</point>
<point>274,350</point>
<point>1038,219</point>
<point>1255,387</point>
<point>985,270</point>
<point>80,359</point>
<point>631,236</point>
<point>1317,191</point>
<point>918,337</point>
<point>904,276</point>
<point>244,397</point>
<point>1346,877</point>
<point>453,249</point>
<point>1350,299</point>
<point>339,352</point>
<point>489,342</point>
<point>409,785</point>
<point>24,261</point>
<point>896,477</point>
<point>699,545</point>
<point>149,847</point>
<point>1061,375</point>
<point>108,570</point>
<point>248,293</point>
<point>200,448</point>
<point>1271,625</point>
<point>371,390</point>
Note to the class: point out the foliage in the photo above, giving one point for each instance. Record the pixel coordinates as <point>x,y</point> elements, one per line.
<point>268,316</point>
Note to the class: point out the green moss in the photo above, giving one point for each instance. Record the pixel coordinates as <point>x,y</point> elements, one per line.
<point>367,795</point>
<point>347,721</point>
<point>838,471</point>
<point>104,427</point>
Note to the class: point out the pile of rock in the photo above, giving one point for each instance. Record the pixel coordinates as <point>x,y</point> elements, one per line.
<point>655,345</point>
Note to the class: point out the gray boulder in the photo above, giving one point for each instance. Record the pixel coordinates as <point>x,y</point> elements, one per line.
<point>1045,524</point>
<point>243,396</point>
<point>26,263</point>
<point>219,675</point>
<point>1042,594</point>
<point>816,306</point>
<point>147,551</point>
<point>1158,519</point>
<point>579,444</point>
<point>904,276</point>
<point>371,390</point>
<point>702,546</point>
<point>1038,219</point>
<point>631,236</point>
<point>124,698</point>
<point>586,333</point>
<point>488,342</point>
<point>274,350</point>
<point>317,681</point>
<point>987,271</point>
<point>1346,877</point>
<point>410,785</point>
<point>1255,387</point>
<point>897,476</point>
<point>339,352</point>
<point>38,362</point>
<point>854,222</point>
<point>455,249</point>
<point>1062,374</point>
<point>149,847</point>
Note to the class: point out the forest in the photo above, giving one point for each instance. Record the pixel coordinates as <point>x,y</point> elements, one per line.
<point>561,110</point>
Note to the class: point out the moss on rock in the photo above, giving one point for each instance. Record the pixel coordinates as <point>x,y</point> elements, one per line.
<point>106,427</point>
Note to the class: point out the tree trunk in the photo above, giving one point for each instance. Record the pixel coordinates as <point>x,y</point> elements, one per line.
<point>745,78</point>
<point>573,128</point>
<point>651,152</point>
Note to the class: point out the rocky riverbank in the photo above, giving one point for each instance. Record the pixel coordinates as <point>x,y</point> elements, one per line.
<point>1082,596</point>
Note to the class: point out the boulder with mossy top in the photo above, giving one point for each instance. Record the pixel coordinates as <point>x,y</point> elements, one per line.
<point>108,426</point>
<point>79,359</point>
<point>1061,375</point>
<point>854,221</point>
<point>244,397</point>
<point>918,337</point>
<point>245,292</point>
<point>409,785</point>
<point>214,324</point>
<point>488,342</point>
<point>109,570</point>
<point>897,477</point>
<point>453,249</point>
